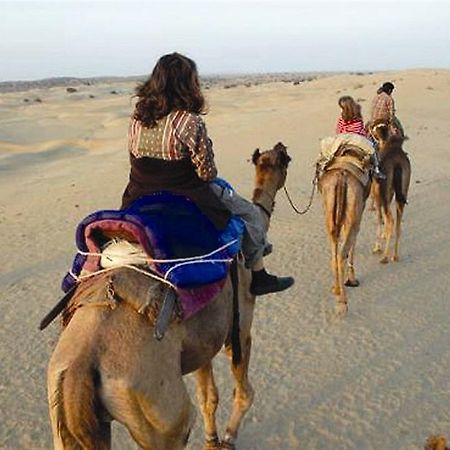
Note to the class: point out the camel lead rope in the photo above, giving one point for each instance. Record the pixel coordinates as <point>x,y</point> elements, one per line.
<point>303,211</point>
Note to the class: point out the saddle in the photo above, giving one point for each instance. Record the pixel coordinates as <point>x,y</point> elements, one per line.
<point>162,241</point>
<point>354,160</point>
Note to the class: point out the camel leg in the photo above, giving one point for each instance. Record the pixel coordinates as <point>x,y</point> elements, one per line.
<point>336,289</point>
<point>380,231</point>
<point>341,307</point>
<point>243,394</point>
<point>398,225</point>
<point>346,254</point>
<point>208,398</point>
<point>155,408</point>
<point>149,431</point>
<point>388,227</point>
<point>351,281</point>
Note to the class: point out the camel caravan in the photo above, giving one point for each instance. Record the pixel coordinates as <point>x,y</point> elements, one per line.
<point>159,287</point>
<point>362,159</point>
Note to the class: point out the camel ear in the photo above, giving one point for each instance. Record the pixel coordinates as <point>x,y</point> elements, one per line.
<point>255,156</point>
<point>283,157</point>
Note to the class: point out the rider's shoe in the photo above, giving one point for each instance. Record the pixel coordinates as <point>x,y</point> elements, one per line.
<point>265,283</point>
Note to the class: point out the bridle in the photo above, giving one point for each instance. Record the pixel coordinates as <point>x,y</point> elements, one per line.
<point>267,206</point>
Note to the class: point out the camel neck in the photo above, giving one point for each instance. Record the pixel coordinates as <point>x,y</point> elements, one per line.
<point>264,197</point>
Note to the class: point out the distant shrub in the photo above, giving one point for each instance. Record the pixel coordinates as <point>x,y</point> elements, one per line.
<point>71,90</point>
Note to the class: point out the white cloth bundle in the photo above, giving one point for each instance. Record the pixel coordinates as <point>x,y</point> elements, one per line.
<point>120,252</point>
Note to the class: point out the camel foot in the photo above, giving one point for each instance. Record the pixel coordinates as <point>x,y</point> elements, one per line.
<point>212,444</point>
<point>384,260</point>
<point>376,250</point>
<point>352,283</point>
<point>227,446</point>
<point>341,309</point>
<point>396,258</point>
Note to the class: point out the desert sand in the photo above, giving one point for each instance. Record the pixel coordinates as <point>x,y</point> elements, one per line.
<point>378,379</point>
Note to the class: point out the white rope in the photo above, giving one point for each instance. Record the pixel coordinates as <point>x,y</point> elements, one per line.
<point>196,262</point>
<point>137,269</point>
<point>163,261</point>
<point>181,262</point>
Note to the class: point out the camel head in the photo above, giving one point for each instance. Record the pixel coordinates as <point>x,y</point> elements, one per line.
<point>271,167</point>
<point>380,130</point>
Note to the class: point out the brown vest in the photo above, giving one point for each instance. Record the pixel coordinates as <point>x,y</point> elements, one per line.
<point>149,175</point>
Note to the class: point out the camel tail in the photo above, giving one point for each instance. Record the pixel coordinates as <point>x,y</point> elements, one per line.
<point>400,196</point>
<point>340,202</point>
<point>74,406</point>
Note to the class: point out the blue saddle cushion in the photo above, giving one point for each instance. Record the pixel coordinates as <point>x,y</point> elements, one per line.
<point>176,229</point>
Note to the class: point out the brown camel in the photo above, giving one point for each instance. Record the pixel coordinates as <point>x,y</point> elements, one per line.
<point>344,186</point>
<point>107,365</point>
<point>397,168</point>
<point>436,442</point>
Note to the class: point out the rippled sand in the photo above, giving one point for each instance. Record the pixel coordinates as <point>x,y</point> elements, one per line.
<point>379,379</point>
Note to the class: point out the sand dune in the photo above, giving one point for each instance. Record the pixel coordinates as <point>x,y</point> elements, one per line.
<point>379,379</point>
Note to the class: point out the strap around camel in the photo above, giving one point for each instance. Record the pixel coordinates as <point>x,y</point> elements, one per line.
<point>352,165</point>
<point>143,294</point>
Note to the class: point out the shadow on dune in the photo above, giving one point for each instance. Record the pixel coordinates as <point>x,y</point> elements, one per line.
<point>14,162</point>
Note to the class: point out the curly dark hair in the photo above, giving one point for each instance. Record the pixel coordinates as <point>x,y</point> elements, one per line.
<point>173,85</point>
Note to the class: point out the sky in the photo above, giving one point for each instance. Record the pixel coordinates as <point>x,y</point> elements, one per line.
<point>84,38</point>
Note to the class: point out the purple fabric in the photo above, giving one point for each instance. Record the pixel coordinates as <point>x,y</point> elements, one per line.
<point>194,300</point>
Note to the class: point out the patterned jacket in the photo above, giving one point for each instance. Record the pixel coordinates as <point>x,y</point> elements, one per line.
<point>177,136</point>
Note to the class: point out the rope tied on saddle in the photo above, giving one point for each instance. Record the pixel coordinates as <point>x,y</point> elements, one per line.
<point>135,258</point>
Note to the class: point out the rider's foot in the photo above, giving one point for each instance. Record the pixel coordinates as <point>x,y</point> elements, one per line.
<point>265,283</point>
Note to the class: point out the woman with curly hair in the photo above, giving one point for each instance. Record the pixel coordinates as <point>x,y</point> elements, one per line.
<point>170,150</point>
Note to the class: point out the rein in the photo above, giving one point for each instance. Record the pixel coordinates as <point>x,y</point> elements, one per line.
<point>308,207</point>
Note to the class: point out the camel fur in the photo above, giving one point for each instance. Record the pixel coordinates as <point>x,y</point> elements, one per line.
<point>344,186</point>
<point>396,166</point>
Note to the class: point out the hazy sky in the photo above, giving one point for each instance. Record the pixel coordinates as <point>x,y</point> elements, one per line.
<point>40,39</point>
